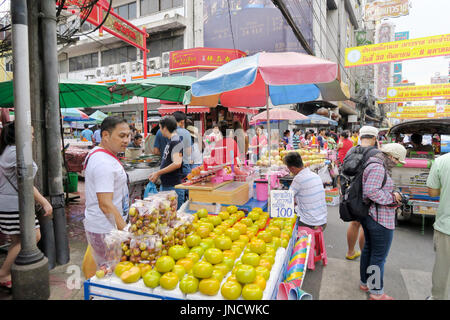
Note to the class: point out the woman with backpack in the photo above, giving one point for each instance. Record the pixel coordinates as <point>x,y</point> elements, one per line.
<point>379,224</point>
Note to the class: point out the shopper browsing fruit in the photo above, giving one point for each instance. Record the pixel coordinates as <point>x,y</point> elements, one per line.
<point>170,171</point>
<point>309,194</point>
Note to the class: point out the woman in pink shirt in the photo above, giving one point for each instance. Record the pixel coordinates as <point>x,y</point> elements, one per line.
<point>259,143</point>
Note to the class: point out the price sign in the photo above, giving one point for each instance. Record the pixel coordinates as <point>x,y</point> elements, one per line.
<point>282,204</point>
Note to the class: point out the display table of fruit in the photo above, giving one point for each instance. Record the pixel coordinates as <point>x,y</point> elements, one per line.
<point>199,256</point>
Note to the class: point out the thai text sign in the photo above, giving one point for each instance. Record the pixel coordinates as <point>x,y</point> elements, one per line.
<point>378,10</point>
<point>430,115</point>
<point>439,91</point>
<point>282,204</point>
<point>202,58</point>
<point>398,50</point>
<point>424,109</point>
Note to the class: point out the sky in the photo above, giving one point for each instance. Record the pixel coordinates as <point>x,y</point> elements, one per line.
<point>426,18</point>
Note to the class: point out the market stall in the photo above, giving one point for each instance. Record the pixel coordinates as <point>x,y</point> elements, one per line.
<point>165,254</point>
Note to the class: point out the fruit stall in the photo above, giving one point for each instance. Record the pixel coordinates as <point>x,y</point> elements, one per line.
<point>169,254</point>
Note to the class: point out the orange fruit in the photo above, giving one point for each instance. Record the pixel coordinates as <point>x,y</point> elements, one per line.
<point>260,281</point>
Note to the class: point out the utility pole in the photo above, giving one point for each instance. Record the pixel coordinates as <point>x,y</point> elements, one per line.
<point>53,128</point>
<point>30,274</point>
<point>47,242</point>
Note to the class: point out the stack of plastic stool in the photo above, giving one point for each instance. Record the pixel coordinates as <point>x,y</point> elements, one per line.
<point>318,251</point>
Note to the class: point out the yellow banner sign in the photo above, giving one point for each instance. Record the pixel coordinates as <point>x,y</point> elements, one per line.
<point>431,115</point>
<point>439,91</point>
<point>397,51</point>
<point>423,109</point>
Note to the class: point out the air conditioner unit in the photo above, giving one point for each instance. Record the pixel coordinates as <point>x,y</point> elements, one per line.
<point>125,68</point>
<point>136,67</point>
<point>154,63</point>
<point>111,70</point>
<point>98,72</point>
<point>165,61</point>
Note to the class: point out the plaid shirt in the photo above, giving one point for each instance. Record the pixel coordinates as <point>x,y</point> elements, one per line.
<point>372,181</point>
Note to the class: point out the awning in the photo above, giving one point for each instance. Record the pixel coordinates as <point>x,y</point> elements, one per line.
<point>334,91</point>
<point>243,110</point>
<point>346,107</point>
<point>170,109</point>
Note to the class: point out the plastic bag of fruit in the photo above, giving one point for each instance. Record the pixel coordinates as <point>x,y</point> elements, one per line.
<point>107,249</point>
<point>167,202</point>
<point>167,235</point>
<point>145,249</point>
<point>144,217</point>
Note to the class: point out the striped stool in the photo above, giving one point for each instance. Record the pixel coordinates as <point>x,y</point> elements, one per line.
<point>317,246</point>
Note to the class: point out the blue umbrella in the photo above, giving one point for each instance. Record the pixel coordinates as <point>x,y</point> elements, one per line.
<point>317,119</point>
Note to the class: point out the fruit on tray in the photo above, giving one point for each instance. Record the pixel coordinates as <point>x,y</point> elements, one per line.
<point>203,231</point>
<point>257,246</point>
<point>168,280</point>
<point>193,240</point>
<point>202,213</point>
<point>215,220</point>
<point>177,252</point>
<point>122,266</point>
<point>232,233</point>
<point>265,235</point>
<point>223,268</point>
<point>245,273</point>
<point>265,263</point>
<point>231,290</point>
<point>179,271</point>
<point>252,291</point>
<point>260,281</point>
<point>224,215</point>
<point>274,230</point>
<point>214,255</point>
<point>217,274</point>
<point>151,279</point>
<point>209,286</point>
<point>164,264</point>
<point>199,250</point>
<point>251,259</point>
<point>223,242</point>
<point>254,216</point>
<point>232,209</point>
<point>241,227</point>
<point>202,269</point>
<point>189,284</point>
<point>187,263</point>
<point>262,271</point>
<point>131,275</point>
<point>100,273</point>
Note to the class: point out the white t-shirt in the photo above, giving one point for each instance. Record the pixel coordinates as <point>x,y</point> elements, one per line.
<point>197,156</point>
<point>104,174</point>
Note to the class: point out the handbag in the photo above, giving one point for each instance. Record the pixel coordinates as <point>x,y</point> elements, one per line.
<point>37,206</point>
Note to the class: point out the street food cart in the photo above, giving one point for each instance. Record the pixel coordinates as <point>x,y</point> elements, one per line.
<point>411,178</point>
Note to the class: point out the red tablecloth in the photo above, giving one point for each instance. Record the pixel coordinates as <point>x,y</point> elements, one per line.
<point>75,159</point>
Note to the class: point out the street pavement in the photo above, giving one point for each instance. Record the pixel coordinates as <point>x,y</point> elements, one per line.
<point>408,268</point>
<point>407,271</point>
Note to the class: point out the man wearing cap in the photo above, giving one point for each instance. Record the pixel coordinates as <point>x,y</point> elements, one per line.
<point>438,184</point>
<point>379,224</point>
<point>368,138</point>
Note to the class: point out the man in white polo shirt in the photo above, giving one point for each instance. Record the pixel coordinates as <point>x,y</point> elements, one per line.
<point>309,194</point>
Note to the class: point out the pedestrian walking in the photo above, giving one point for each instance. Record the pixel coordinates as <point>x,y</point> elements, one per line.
<point>438,184</point>
<point>344,146</point>
<point>259,144</point>
<point>241,138</point>
<point>97,137</point>
<point>379,224</point>
<point>186,140</point>
<point>309,193</point>
<point>9,201</point>
<point>296,141</point>
<point>355,232</point>
<point>86,134</point>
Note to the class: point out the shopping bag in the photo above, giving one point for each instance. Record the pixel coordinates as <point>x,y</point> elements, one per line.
<point>89,267</point>
<point>324,174</point>
<point>150,188</point>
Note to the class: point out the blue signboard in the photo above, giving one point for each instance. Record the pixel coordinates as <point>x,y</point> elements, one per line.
<point>256,25</point>
<point>397,67</point>
<point>404,35</point>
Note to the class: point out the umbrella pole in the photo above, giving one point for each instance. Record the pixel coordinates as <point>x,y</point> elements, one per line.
<point>270,148</point>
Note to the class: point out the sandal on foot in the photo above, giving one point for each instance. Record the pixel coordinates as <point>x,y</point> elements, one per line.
<point>364,288</point>
<point>353,257</point>
<point>384,296</point>
<point>6,284</point>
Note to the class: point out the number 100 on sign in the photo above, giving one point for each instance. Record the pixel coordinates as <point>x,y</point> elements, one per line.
<point>282,204</point>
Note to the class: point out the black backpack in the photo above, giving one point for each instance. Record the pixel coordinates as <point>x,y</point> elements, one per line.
<point>352,206</point>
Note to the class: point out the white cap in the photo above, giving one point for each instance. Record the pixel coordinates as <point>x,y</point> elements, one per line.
<point>368,131</point>
<point>396,150</point>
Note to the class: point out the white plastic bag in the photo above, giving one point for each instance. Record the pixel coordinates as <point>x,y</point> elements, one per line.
<point>324,174</point>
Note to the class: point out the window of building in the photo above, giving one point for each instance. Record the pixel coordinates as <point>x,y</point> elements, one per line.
<point>86,61</point>
<point>153,6</point>
<point>158,46</point>
<point>127,11</point>
<point>118,55</point>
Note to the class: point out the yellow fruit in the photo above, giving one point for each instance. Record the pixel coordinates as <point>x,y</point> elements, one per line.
<point>217,274</point>
<point>258,210</point>
<point>232,233</point>
<point>228,262</point>
<point>268,257</point>
<point>265,235</point>
<point>209,225</point>
<point>284,243</point>
<point>274,230</point>
<point>257,246</point>
<point>240,243</point>
<point>240,214</point>
<point>194,256</point>
<point>122,266</point>
<point>245,273</point>
<point>203,269</point>
<point>164,264</point>
<point>232,278</point>
<point>263,271</point>
<point>260,281</point>
<point>132,275</point>
<point>203,231</point>
<point>265,263</point>
<point>168,280</point>
<point>223,242</point>
<point>251,259</point>
<point>230,254</point>
<point>271,251</point>
<point>214,255</point>
<point>232,209</point>
<point>209,286</point>
<point>223,268</point>
<point>241,227</point>
<point>187,263</point>
<point>224,215</point>
<point>252,291</point>
<point>231,290</point>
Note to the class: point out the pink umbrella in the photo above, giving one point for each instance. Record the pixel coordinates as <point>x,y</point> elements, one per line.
<point>278,114</point>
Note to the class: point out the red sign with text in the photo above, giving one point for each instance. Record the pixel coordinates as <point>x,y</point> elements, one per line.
<point>202,58</point>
